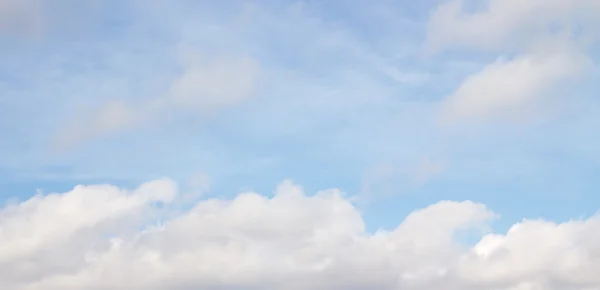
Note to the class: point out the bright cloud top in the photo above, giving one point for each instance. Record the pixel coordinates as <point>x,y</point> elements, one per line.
<point>90,238</point>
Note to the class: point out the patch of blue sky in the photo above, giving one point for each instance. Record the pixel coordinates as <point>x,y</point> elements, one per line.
<point>343,89</point>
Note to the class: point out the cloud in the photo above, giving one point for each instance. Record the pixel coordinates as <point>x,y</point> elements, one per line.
<point>202,87</point>
<point>499,25</point>
<point>79,240</point>
<point>546,41</point>
<point>39,233</point>
<point>113,116</point>
<point>199,184</point>
<point>20,17</point>
<point>214,84</point>
<point>510,89</point>
<point>385,179</point>
<point>427,169</point>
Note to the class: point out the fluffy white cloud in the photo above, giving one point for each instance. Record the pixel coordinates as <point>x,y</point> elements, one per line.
<point>90,238</point>
<point>39,235</point>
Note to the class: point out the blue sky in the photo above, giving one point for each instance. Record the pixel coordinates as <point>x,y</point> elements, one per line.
<point>192,143</point>
<point>344,95</point>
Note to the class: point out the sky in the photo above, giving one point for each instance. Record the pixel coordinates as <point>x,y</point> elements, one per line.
<point>436,144</point>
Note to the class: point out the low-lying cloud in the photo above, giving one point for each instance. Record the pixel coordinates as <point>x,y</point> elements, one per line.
<point>104,237</point>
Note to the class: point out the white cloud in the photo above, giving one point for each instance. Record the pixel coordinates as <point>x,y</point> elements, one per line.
<point>214,84</point>
<point>38,235</point>
<point>202,86</point>
<point>510,89</point>
<point>199,184</point>
<point>509,24</point>
<point>549,38</point>
<point>80,240</point>
<point>113,116</point>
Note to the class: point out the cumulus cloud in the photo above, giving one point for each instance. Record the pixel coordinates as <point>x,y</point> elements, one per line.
<point>39,234</point>
<point>90,238</point>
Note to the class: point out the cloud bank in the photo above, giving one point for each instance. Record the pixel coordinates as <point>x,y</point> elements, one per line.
<point>92,238</point>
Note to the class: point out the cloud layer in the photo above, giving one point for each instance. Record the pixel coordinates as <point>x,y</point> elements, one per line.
<point>90,238</point>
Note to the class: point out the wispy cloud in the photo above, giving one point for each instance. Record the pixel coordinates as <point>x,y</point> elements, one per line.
<point>21,18</point>
<point>512,89</point>
<point>201,87</point>
<point>543,46</point>
<point>511,25</point>
<point>263,91</point>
